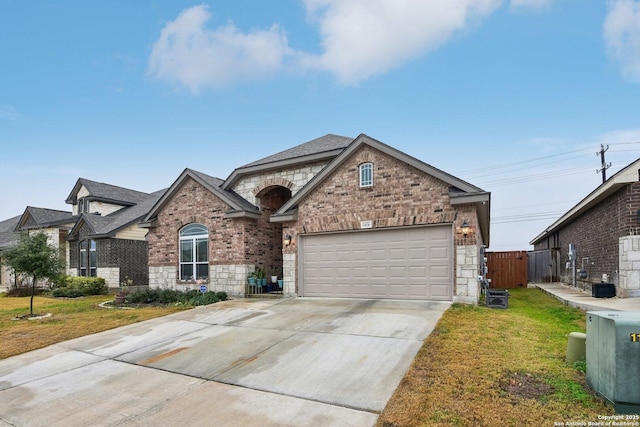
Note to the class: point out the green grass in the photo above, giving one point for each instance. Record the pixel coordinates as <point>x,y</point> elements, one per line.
<point>497,367</point>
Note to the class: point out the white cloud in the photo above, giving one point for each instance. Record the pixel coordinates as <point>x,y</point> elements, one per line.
<point>530,4</point>
<point>622,36</point>
<point>9,113</point>
<point>194,56</point>
<point>362,38</point>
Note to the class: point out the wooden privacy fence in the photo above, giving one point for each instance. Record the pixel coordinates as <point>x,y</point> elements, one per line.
<point>507,269</point>
<point>544,265</point>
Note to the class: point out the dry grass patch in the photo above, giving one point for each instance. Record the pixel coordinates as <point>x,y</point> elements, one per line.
<point>70,318</point>
<point>493,367</point>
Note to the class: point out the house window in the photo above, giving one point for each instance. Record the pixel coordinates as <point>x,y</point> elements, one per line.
<point>88,258</point>
<point>83,205</point>
<point>366,175</point>
<point>194,252</point>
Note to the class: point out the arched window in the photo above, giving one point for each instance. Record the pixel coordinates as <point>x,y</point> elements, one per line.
<point>194,252</point>
<point>366,175</point>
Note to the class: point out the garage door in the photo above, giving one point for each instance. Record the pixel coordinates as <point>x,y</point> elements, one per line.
<point>408,263</point>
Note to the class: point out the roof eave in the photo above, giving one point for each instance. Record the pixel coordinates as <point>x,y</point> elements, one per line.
<point>285,217</point>
<point>243,214</point>
<point>624,177</point>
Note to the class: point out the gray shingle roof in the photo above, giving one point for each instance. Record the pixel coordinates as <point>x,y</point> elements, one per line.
<point>7,234</point>
<point>106,192</point>
<point>323,144</point>
<point>217,183</point>
<point>43,217</point>
<point>108,224</point>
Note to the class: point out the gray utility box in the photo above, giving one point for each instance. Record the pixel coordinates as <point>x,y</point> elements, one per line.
<point>613,358</point>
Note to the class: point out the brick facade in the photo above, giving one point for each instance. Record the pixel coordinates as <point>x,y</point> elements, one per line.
<point>401,196</point>
<point>115,260</point>
<point>237,246</point>
<point>596,234</point>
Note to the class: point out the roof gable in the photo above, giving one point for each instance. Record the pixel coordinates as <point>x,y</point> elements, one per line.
<point>42,217</point>
<point>106,193</point>
<point>238,205</point>
<point>460,191</point>
<point>109,225</point>
<point>323,148</point>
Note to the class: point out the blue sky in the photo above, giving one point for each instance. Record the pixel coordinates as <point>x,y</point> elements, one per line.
<point>514,96</point>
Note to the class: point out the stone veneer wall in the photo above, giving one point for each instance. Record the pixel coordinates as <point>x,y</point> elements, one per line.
<point>289,266</point>
<point>297,177</point>
<point>401,196</point>
<point>629,274</point>
<point>111,275</point>
<point>234,243</point>
<point>467,268</point>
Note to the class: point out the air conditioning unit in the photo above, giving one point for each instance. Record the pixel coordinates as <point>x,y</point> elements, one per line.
<point>603,290</point>
<point>497,298</point>
<point>613,358</point>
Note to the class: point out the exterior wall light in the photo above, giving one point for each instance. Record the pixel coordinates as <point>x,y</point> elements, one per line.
<point>465,228</point>
<point>287,240</point>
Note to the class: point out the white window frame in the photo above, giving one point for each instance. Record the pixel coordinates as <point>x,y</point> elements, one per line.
<point>192,240</point>
<point>365,174</point>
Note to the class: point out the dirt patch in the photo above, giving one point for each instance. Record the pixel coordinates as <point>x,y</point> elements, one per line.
<point>525,385</point>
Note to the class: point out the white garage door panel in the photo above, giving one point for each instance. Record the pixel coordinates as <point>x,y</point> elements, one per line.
<point>413,263</point>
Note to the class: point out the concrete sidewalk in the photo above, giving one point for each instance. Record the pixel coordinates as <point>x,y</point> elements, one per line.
<point>583,300</point>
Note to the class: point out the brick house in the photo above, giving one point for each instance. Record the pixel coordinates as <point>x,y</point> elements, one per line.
<point>105,239</point>
<point>98,237</point>
<point>335,216</point>
<point>605,229</point>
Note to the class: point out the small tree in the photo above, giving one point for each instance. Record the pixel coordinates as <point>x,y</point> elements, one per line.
<point>33,256</point>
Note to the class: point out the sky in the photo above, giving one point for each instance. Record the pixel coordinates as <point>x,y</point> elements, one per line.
<point>513,96</point>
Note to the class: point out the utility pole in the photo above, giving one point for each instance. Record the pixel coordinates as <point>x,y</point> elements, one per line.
<point>604,165</point>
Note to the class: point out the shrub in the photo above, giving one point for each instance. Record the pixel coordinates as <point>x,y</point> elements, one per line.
<point>87,285</point>
<point>67,293</point>
<point>171,296</point>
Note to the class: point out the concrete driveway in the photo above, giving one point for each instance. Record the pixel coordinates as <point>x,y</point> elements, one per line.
<point>291,362</point>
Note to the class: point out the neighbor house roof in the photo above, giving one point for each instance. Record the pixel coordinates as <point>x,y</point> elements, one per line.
<point>106,193</point>
<point>8,235</point>
<point>34,218</point>
<point>323,148</point>
<point>109,225</point>
<point>459,191</point>
<point>238,205</point>
<point>628,175</point>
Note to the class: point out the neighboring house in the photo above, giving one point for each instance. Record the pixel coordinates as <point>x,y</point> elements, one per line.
<point>54,223</point>
<point>604,228</point>
<point>335,217</point>
<point>8,238</point>
<point>105,239</point>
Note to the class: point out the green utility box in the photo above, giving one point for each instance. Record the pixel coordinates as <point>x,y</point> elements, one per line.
<point>613,358</point>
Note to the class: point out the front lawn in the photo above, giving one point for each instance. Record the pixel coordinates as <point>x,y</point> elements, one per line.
<point>70,318</point>
<point>497,367</point>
